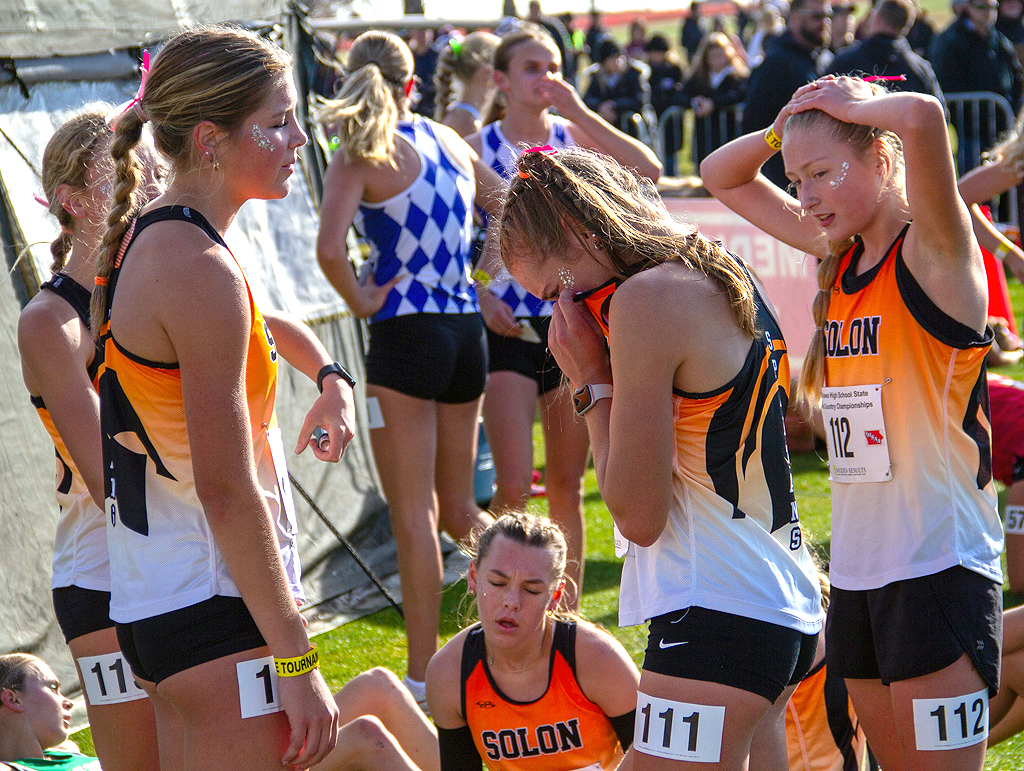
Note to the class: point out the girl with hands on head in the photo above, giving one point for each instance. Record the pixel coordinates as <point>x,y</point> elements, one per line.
<point>529,687</point>
<point>201,527</point>
<point>408,186</point>
<point>897,366</point>
<point>685,406</point>
<point>527,71</point>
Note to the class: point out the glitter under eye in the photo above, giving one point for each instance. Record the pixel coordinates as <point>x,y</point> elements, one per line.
<point>841,177</point>
<point>261,139</point>
<point>568,282</point>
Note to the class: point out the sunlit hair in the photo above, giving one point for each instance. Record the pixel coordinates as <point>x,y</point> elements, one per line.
<point>554,200</point>
<point>76,146</point>
<point>218,74</point>
<point>14,670</point>
<point>864,139</point>
<point>366,110</point>
<point>526,31</point>
<point>700,73</point>
<point>526,529</point>
<point>456,66</point>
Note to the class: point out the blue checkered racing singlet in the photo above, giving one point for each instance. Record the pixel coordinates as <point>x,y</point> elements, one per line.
<point>501,155</point>
<point>424,232</point>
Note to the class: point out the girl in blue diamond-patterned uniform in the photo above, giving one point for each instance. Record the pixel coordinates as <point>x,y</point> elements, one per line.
<point>407,184</point>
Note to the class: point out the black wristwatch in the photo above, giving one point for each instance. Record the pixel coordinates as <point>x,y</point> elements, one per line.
<point>333,369</point>
<point>585,397</point>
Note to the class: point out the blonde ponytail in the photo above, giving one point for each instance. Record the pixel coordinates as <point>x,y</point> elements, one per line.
<point>366,110</point>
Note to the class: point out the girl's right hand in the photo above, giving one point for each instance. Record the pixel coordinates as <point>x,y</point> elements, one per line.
<point>370,297</point>
<point>498,316</point>
<point>312,717</point>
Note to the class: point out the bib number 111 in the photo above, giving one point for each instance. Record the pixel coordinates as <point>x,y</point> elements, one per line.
<point>677,730</point>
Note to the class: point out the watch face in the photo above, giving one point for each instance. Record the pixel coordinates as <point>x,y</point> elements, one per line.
<point>582,399</point>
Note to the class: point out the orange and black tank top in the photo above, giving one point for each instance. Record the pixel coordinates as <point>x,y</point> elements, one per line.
<point>80,544</point>
<point>163,555</point>
<point>563,730</point>
<point>902,374</point>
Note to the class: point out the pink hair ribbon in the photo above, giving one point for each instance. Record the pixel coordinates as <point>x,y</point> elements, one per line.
<point>41,201</point>
<point>872,78</point>
<point>543,150</point>
<point>136,102</point>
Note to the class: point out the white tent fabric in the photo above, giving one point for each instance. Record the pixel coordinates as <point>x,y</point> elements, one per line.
<point>40,28</point>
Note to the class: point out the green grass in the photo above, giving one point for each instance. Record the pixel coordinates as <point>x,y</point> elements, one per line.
<point>379,640</point>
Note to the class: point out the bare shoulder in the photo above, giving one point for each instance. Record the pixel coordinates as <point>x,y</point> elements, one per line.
<point>444,683</point>
<point>459,149</point>
<point>668,292</point>
<point>50,333</point>
<point>603,655</point>
<point>604,670</point>
<point>476,141</point>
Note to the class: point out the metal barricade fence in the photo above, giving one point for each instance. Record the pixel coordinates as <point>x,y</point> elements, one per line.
<point>728,122</point>
<point>978,119</point>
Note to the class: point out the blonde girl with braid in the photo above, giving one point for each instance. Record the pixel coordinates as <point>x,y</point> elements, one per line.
<point>897,367</point>
<point>408,186</point>
<point>60,364</point>
<point>523,376</point>
<point>679,369</point>
<point>205,582</point>
<point>463,84</point>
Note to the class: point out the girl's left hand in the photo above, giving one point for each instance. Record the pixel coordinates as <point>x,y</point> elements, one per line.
<point>335,412</point>
<point>837,96</point>
<point>577,343</point>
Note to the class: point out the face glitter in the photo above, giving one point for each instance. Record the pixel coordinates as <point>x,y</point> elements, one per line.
<point>568,282</point>
<point>261,139</point>
<point>841,177</point>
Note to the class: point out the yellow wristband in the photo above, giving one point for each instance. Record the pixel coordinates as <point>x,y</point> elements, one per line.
<point>1004,248</point>
<point>480,276</point>
<point>298,665</point>
<point>772,138</point>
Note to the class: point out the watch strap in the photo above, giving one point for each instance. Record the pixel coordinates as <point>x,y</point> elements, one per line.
<point>585,397</point>
<point>334,368</point>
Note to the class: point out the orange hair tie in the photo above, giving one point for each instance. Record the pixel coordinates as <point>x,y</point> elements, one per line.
<point>100,280</point>
<point>524,174</point>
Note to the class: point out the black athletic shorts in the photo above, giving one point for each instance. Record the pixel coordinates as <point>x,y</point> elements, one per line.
<point>532,360</point>
<point>916,627</point>
<point>700,644</point>
<point>164,645</point>
<point>81,611</point>
<point>436,356</point>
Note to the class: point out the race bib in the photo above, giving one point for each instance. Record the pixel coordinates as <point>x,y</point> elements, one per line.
<point>948,724</point>
<point>621,542</point>
<point>677,730</point>
<point>107,679</point>
<point>257,687</point>
<point>284,486</point>
<point>858,450</point>
<point>1013,520</point>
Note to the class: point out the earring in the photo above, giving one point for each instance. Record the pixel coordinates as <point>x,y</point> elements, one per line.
<point>215,163</point>
<point>598,243</point>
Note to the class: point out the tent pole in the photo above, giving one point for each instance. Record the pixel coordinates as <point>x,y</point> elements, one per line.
<point>347,544</point>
